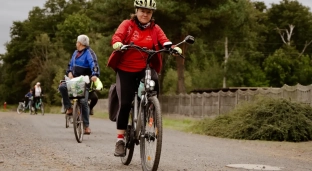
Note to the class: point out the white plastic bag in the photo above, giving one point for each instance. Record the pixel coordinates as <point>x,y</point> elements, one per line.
<point>76,87</point>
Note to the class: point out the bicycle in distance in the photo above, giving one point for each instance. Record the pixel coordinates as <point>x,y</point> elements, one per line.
<point>23,107</point>
<point>145,119</point>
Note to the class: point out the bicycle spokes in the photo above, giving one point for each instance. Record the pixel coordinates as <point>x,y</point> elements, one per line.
<point>150,137</point>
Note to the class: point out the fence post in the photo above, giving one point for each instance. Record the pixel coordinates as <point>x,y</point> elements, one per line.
<point>190,107</point>
<point>310,96</point>
<point>179,104</point>
<point>219,102</point>
<point>202,105</point>
<point>236,98</point>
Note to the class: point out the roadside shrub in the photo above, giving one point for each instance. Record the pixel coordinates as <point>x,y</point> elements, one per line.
<point>262,119</point>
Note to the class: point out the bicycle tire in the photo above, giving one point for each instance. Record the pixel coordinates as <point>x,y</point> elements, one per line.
<point>78,123</point>
<point>129,147</point>
<point>31,108</point>
<point>42,109</point>
<point>152,133</point>
<point>19,108</point>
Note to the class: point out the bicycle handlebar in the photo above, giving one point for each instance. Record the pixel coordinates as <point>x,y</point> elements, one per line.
<point>167,47</point>
<point>149,51</point>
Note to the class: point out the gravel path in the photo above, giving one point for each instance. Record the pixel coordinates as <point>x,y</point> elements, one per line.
<point>35,142</point>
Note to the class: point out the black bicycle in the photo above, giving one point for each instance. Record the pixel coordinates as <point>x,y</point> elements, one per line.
<point>145,120</point>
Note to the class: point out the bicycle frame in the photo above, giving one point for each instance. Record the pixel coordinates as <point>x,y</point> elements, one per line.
<point>138,107</point>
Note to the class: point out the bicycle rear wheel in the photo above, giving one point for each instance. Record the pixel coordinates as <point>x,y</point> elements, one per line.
<point>66,120</point>
<point>78,123</point>
<point>129,147</point>
<point>151,139</point>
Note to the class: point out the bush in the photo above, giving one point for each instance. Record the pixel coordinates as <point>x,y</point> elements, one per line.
<point>262,119</point>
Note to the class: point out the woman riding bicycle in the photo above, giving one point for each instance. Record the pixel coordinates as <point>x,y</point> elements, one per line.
<point>142,31</point>
<point>83,62</point>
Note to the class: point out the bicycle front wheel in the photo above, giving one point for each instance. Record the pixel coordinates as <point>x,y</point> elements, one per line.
<point>151,135</point>
<point>78,123</point>
<point>20,108</point>
<point>42,109</point>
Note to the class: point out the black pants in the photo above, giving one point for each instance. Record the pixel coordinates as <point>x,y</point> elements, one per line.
<point>94,99</point>
<point>126,85</point>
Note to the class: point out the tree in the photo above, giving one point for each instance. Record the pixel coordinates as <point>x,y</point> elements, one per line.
<point>74,25</point>
<point>280,68</point>
<point>282,16</point>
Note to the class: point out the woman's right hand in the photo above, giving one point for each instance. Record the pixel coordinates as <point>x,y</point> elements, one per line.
<point>70,75</point>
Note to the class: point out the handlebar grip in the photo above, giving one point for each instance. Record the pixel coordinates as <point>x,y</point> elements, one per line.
<point>176,52</point>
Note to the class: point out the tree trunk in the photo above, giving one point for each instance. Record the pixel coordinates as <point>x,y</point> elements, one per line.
<point>180,70</point>
<point>162,73</point>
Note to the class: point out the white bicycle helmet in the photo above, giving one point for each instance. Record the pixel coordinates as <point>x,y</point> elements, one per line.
<point>149,4</point>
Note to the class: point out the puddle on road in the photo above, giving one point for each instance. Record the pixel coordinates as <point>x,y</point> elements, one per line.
<point>254,167</point>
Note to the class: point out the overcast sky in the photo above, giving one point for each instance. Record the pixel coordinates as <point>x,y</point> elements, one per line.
<point>17,10</point>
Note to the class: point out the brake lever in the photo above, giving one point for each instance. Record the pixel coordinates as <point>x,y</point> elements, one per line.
<point>123,47</point>
<point>181,56</point>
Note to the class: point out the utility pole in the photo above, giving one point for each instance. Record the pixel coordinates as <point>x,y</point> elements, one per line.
<point>225,61</point>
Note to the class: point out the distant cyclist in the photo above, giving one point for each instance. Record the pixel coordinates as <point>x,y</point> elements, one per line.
<point>37,93</point>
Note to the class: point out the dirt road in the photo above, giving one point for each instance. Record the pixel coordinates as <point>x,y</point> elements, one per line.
<point>35,142</point>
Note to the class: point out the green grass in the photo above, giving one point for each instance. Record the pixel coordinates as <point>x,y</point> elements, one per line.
<point>9,108</point>
<point>101,115</point>
<point>178,122</point>
<point>169,122</point>
<point>52,109</point>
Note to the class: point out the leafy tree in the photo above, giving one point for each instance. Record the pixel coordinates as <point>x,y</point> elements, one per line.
<point>73,26</point>
<point>280,68</point>
<point>280,16</point>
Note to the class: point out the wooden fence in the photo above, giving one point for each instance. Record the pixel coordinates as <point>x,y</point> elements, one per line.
<point>216,103</point>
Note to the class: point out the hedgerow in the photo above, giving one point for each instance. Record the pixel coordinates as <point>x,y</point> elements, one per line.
<point>262,119</point>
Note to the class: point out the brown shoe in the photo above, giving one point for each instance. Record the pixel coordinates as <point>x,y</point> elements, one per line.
<point>69,111</point>
<point>87,131</point>
<point>120,149</point>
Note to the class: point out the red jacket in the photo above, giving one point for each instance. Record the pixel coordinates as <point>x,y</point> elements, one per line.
<point>124,34</point>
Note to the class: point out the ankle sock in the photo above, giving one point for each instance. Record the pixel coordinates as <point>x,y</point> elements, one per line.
<point>120,137</point>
